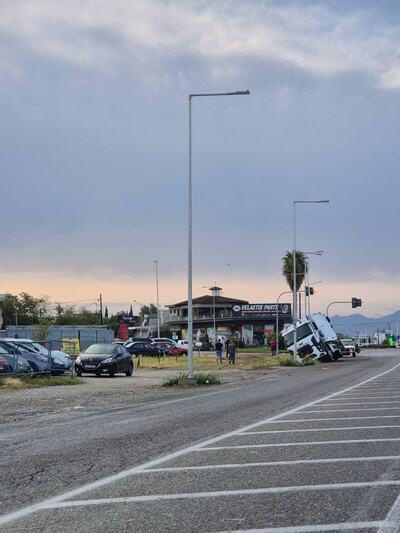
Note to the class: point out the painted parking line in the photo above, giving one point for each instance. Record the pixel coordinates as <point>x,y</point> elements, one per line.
<point>296,420</point>
<point>102,482</point>
<point>391,523</point>
<point>379,402</point>
<point>342,526</point>
<point>334,460</point>
<point>349,428</point>
<point>281,444</point>
<point>355,409</point>
<point>220,493</point>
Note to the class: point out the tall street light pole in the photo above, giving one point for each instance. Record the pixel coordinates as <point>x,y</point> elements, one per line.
<point>295,202</point>
<point>190,203</point>
<point>158,301</point>
<point>277,321</point>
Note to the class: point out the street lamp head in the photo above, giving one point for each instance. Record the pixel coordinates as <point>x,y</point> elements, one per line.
<point>241,93</point>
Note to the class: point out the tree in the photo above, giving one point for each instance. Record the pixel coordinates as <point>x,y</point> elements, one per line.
<point>25,309</point>
<point>150,310</point>
<point>288,268</point>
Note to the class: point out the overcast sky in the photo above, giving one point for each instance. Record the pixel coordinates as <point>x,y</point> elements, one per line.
<point>93,148</point>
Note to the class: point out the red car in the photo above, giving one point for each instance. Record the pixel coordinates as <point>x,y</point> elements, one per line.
<point>5,367</point>
<point>170,348</point>
<point>178,350</point>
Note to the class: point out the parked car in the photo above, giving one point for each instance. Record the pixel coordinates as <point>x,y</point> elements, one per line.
<point>17,364</point>
<point>349,347</point>
<point>143,348</point>
<point>39,363</point>
<point>178,350</point>
<point>183,342</point>
<point>60,361</point>
<point>5,367</point>
<point>104,359</point>
<point>164,346</point>
<point>203,345</point>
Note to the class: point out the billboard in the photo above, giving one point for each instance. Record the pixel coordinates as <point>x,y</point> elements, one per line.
<point>261,310</point>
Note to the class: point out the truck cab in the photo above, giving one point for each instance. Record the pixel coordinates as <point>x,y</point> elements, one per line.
<point>328,336</point>
<point>308,342</point>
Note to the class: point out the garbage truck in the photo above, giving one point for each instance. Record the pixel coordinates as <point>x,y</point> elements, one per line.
<point>315,339</point>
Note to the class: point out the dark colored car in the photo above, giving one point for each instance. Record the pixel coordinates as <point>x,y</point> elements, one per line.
<point>17,364</point>
<point>108,359</point>
<point>143,348</point>
<point>27,362</point>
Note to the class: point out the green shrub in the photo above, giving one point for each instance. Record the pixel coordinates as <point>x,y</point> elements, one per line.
<point>202,378</point>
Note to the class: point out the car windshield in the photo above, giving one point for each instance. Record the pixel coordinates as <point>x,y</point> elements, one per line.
<point>2,349</point>
<point>100,348</point>
<point>302,331</point>
<point>34,346</point>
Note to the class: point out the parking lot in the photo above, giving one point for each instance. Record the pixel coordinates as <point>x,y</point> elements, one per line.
<point>331,464</point>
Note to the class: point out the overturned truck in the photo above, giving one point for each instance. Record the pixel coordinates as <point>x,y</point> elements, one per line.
<point>315,339</point>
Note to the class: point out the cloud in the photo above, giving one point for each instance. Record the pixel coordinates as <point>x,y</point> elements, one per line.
<point>313,39</point>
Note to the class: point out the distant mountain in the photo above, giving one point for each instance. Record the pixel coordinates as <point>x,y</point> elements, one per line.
<point>359,324</point>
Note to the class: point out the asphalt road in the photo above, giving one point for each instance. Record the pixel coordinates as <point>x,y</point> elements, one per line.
<point>285,452</point>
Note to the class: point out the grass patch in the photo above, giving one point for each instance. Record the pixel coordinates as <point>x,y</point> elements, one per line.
<point>208,362</point>
<point>202,378</point>
<point>11,383</point>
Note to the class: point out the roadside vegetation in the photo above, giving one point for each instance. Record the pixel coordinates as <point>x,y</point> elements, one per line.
<point>10,383</point>
<point>202,378</point>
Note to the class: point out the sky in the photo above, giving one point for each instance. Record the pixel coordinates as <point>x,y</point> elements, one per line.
<point>94,147</point>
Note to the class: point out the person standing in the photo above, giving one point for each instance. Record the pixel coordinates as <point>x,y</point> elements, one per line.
<point>218,351</point>
<point>232,352</point>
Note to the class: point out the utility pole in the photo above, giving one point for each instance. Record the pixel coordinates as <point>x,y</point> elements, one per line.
<point>158,301</point>
<point>101,309</point>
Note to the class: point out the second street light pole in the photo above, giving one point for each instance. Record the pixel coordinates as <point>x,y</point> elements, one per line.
<point>295,202</point>
<point>158,301</point>
<point>190,205</point>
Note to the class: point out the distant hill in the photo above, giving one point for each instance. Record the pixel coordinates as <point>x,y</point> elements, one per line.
<point>360,324</point>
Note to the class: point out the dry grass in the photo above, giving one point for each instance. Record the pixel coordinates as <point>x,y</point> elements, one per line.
<point>244,361</point>
<point>9,384</point>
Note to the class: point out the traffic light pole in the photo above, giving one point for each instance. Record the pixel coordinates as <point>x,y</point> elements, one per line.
<point>355,302</point>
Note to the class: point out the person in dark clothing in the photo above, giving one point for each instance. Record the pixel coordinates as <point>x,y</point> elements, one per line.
<point>232,352</point>
<point>218,351</point>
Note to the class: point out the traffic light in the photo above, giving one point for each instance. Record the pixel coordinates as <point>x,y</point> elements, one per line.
<point>309,291</point>
<point>356,302</point>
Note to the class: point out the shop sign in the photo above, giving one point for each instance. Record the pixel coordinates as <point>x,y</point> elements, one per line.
<point>261,310</point>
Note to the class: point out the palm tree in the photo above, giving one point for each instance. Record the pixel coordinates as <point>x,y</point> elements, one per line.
<point>288,270</point>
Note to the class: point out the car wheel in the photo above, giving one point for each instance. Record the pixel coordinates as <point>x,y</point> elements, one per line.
<point>111,372</point>
<point>98,374</point>
<point>130,371</point>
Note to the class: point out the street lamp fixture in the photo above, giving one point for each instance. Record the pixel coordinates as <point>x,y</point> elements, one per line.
<point>295,202</point>
<point>190,204</point>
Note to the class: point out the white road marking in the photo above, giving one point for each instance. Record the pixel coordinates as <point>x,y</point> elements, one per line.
<point>295,420</point>
<point>280,444</point>
<point>349,428</point>
<point>391,524</point>
<point>342,526</point>
<point>218,493</point>
<point>275,463</point>
<point>28,510</point>
<point>360,403</point>
<point>345,398</point>
<point>355,409</point>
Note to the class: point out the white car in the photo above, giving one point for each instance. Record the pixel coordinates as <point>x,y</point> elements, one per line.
<point>183,343</point>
